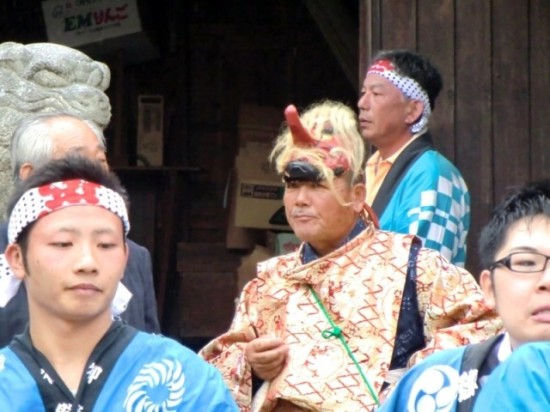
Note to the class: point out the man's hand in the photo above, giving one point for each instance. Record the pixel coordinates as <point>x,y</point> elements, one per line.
<point>267,356</point>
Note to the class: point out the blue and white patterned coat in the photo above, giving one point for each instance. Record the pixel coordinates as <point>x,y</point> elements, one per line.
<point>433,203</point>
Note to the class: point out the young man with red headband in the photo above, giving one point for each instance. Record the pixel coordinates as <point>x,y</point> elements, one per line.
<point>67,242</point>
<point>410,185</point>
<point>321,328</point>
<point>37,139</point>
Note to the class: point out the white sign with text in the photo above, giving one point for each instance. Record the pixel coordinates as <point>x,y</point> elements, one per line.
<point>77,22</point>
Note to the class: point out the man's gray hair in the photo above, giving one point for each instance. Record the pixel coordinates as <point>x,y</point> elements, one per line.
<point>31,143</point>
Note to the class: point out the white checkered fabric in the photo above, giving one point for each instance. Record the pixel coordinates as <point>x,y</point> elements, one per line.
<point>445,222</point>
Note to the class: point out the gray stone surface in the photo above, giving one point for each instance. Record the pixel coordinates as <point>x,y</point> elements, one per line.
<point>46,77</point>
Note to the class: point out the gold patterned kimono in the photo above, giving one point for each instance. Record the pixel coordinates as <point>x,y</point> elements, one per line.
<point>360,285</point>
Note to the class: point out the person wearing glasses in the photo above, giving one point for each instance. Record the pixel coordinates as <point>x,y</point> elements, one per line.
<point>515,249</point>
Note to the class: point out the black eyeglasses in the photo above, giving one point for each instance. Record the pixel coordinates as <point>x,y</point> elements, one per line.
<point>523,262</point>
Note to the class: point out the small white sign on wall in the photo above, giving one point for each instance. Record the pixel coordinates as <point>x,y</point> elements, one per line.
<point>150,129</point>
<point>78,22</point>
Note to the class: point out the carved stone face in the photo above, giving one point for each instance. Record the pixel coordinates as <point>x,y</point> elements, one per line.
<point>43,77</point>
<point>47,77</point>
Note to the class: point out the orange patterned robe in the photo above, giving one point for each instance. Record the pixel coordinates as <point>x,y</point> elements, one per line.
<point>360,284</point>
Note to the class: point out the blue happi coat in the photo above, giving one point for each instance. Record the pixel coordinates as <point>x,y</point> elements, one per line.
<point>128,371</point>
<point>447,381</point>
<point>519,384</point>
<point>431,201</point>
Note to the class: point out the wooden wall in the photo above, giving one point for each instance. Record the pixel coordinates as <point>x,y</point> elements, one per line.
<point>492,118</point>
<point>214,58</point>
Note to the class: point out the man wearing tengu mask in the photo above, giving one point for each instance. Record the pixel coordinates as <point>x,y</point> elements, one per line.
<point>67,231</point>
<point>321,328</point>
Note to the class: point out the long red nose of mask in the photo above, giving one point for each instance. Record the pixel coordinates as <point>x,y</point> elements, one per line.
<point>303,138</point>
<point>299,133</point>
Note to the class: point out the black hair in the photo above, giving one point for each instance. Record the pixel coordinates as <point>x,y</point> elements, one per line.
<point>417,67</point>
<point>66,168</point>
<point>527,201</point>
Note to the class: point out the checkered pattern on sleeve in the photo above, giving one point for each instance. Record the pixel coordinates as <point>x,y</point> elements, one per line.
<point>446,209</point>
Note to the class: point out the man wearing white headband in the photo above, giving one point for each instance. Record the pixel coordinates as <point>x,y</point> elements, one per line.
<point>67,229</point>
<point>410,185</point>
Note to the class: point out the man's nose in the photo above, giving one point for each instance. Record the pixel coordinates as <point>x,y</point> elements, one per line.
<point>302,195</point>
<point>363,102</point>
<point>86,260</point>
<point>544,281</point>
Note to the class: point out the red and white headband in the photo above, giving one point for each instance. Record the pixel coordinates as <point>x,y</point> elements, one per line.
<point>408,86</point>
<point>41,201</point>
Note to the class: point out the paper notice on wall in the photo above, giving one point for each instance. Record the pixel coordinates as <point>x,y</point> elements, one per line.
<point>150,139</point>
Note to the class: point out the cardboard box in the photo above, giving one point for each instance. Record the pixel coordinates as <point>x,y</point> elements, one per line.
<point>259,204</point>
<point>239,237</point>
<point>259,123</point>
<point>259,190</point>
<point>252,162</point>
<point>150,129</point>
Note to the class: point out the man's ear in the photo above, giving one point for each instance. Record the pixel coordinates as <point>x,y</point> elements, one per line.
<point>25,171</point>
<point>358,195</point>
<point>14,256</point>
<point>414,111</point>
<point>487,288</point>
